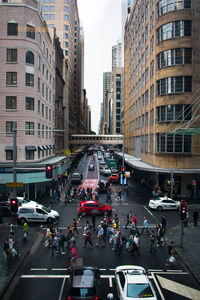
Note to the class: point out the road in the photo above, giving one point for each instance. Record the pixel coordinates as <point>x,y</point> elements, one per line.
<point>45,277</point>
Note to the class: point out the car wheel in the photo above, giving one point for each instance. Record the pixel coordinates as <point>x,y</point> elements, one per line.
<point>159,208</point>
<point>49,220</point>
<point>22,221</point>
<point>83,214</point>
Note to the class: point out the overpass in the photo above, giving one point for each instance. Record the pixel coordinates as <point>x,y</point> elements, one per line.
<point>87,139</point>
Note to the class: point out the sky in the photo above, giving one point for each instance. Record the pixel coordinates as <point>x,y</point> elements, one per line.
<point>101,21</point>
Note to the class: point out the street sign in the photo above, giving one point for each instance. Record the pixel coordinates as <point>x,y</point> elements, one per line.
<point>127,174</point>
<point>194,182</point>
<point>14,184</point>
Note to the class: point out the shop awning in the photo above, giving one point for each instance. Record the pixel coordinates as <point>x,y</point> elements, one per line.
<point>8,148</point>
<point>44,147</point>
<point>40,148</point>
<point>30,148</point>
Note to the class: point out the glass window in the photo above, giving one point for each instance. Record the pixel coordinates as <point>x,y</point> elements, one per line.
<point>39,62</point>
<point>188,55</point>
<point>11,102</point>
<point>30,31</point>
<point>42,109</point>
<point>29,155</point>
<point>178,143</point>
<point>51,17</point>
<point>9,127</point>
<point>46,8</point>
<point>29,57</point>
<point>29,126</point>
<point>46,16</point>
<point>39,38</point>
<point>9,155</point>
<point>29,103</point>
<point>66,8</point>
<point>38,84</point>
<point>187,143</point>
<point>11,78</point>
<point>51,8</point>
<point>187,28</point>
<point>11,55</point>
<point>66,27</point>
<point>178,84</point>
<point>66,44</point>
<point>66,1</point>
<point>65,35</point>
<point>39,106</point>
<point>29,79</point>
<point>51,1</point>
<point>66,17</point>
<point>188,84</point>
<point>12,29</point>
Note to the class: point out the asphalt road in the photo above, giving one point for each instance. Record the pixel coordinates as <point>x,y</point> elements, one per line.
<point>45,277</point>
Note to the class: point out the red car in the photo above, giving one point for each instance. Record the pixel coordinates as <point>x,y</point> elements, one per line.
<point>93,208</point>
<point>114,178</point>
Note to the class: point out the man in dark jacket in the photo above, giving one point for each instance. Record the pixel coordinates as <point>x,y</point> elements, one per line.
<point>195,217</point>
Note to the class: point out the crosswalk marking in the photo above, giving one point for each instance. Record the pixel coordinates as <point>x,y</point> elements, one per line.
<point>179,288</point>
<point>44,276</point>
<point>39,269</point>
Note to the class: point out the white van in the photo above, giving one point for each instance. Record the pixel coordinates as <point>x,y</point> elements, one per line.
<point>32,212</point>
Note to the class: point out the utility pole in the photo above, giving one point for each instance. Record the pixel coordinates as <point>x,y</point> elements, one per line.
<point>122,168</point>
<point>14,157</point>
<point>172,184</point>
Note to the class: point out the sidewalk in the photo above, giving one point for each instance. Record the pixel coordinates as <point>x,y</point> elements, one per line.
<point>189,254</point>
<point>9,271</point>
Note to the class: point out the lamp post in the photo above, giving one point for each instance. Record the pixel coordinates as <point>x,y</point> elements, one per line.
<point>14,157</point>
<point>172,183</point>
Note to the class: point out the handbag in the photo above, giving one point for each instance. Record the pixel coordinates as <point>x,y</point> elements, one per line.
<point>172,259</point>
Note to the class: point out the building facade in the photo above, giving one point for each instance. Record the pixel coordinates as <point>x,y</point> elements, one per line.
<point>107,88</point>
<point>161,87</point>
<point>63,15</point>
<point>27,94</point>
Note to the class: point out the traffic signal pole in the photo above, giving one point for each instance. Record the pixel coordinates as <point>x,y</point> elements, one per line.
<point>14,157</point>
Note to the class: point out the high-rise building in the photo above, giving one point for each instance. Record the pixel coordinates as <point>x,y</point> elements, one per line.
<point>107,88</point>
<point>63,15</point>
<point>117,55</point>
<point>161,89</point>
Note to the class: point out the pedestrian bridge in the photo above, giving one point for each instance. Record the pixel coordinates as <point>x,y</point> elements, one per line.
<point>96,139</point>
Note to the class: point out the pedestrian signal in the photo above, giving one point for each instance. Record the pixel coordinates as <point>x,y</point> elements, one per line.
<point>14,205</point>
<point>183,212</point>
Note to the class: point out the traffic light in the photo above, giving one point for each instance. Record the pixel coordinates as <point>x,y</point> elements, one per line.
<point>123,170</point>
<point>14,205</point>
<point>183,211</point>
<point>49,171</point>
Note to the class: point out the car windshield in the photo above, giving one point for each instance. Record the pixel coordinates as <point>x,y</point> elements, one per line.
<point>139,290</point>
<point>83,292</point>
<point>48,210</point>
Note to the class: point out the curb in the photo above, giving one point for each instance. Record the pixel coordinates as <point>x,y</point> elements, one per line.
<point>16,268</point>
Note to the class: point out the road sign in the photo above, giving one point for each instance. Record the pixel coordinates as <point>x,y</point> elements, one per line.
<point>14,184</point>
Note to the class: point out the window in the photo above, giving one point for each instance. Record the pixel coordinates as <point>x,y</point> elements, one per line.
<point>42,69</point>
<point>46,112</point>
<point>29,126</point>
<point>42,109</point>
<point>43,47</point>
<point>147,96</point>
<point>146,143</point>
<point>46,8</point>
<point>9,155</point>
<point>164,7</point>
<point>39,38</point>
<point>11,78</point>
<point>29,57</point>
<point>42,89</point>
<point>176,112</point>
<point>47,74</point>
<point>29,155</point>
<point>29,103</point>
<point>66,27</point>
<point>39,62</point>
<point>11,55</point>
<point>30,32</point>
<point>51,8</point>
<point>47,132</point>
<point>29,79</point>
<point>66,17</point>
<point>66,44</point>
<point>66,1</point>
<point>66,8</point>
<point>43,131</point>
<point>9,127</point>
<point>12,29</point>
<point>173,30</point>
<point>171,85</point>
<point>47,93</point>
<point>174,143</point>
<point>49,114</point>
<point>38,106</point>
<point>65,35</point>
<point>51,17</point>
<point>38,129</point>
<point>11,102</point>
<point>46,16</point>
<point>38,84</point>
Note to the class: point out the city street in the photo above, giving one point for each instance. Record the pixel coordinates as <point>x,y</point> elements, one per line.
<point>45,277</point>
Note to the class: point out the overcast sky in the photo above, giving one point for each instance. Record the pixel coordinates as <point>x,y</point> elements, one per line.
<point>101,20</point>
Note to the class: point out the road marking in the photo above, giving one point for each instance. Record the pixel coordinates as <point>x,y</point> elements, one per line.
<point>179,289</point>
<point>39,269</point>
<point>62,287</point>
<point>102,269</point>
<point>44,276</point>
<point>158,288</point>
<point>151,213</point>
<point>59,269</point>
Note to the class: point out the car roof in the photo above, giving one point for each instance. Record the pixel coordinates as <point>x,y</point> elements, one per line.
<point>75,174</point>
<point>31,204</point>
<point>162,198</point>
<point>89,201</point>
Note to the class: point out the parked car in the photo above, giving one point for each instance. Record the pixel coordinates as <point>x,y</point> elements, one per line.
<point>105,171</point>
<point>161,203</point>
<point>133,283</point>
<point>5,208</point>
<point>93,208</point>
<point>32,212</point>
<point>91,168</point>
<point>85,283</point>
<point>114,178</point>
<point>76,178</point>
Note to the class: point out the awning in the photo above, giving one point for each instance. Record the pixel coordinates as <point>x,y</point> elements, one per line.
<point>50,147</point>
<point>47,147</point>
<point>54,146</point>
<point>44,147</point>
<point>8,148</point>
<point>30,148</point>
<point>40,148</point>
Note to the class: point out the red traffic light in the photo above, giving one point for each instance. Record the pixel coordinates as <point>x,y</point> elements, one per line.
<point>183,212</point>
<point>123,170</point>
<point>14,205</point>
<point>49,171</point>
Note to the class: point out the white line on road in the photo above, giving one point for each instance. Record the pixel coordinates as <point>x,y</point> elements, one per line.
<point>151,213</point>
<point>44,276</point>
<point>59,269</point>
<point>39,269</point>
<point>158,287</point>
<point>62,287</point>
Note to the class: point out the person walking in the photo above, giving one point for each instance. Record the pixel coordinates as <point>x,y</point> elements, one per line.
<point>135,221</point>
<point>75,226</point>
<point>171,250</point>
<point>185,222</point>
<point>88,238</point>
<point>73,255</point>
<point>145,226</point>
<point>25,231</point>
<point>61,241</point>
<point>12,229</point>
<point>152,242</point>
<point>100,233</point>
<point>54,244</point>
<point>7,250</point>
<point>129,218</point>
<point>195,217</point>
<point>164,224</point>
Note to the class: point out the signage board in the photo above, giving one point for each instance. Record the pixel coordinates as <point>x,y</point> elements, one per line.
<point>14,184</point>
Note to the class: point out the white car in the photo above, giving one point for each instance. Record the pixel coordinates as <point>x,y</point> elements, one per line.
<point>161,203</point>
<point>105,171</point>
<point>133,283</point>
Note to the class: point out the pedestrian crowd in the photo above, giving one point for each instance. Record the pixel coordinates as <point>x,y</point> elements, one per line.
<point>73,194</point>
